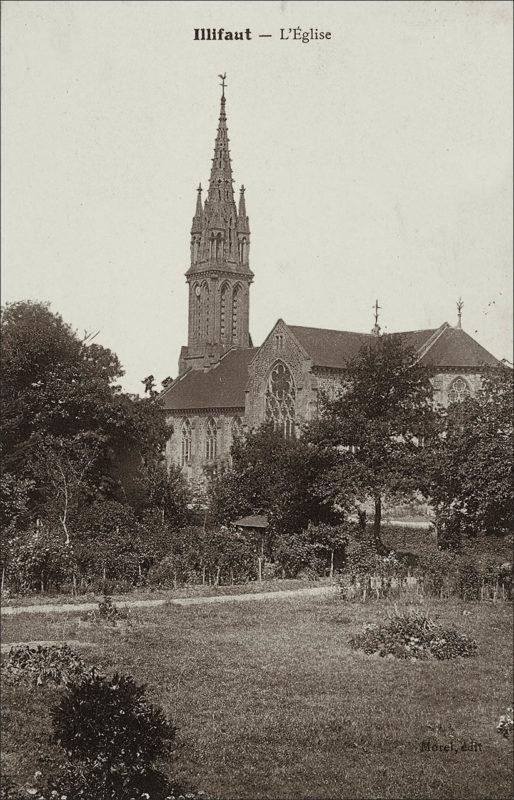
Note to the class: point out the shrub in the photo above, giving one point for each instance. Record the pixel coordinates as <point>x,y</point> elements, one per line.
<point>414,635</point>
<point>112,736</point>
<point>52,665</point>
<point>506,724</point>
<point>108,613</point>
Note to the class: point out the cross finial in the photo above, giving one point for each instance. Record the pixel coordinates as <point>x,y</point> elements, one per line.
<point>223,84</point>
<point>377,309</point>
<point>460,305</point>
<point>376,327</point>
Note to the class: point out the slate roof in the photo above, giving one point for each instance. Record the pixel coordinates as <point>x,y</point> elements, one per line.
<point>450,347</point>
<point>257,521</point>
<point>223,386</point>
<point>456,348</point>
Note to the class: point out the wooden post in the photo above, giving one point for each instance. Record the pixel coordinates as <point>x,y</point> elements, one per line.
<point>259,560</point>
<point>3,579</point>
<point>331,563</point>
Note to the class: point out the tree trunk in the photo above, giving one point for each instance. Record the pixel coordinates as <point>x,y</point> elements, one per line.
<point>377,526</point>
<point>331,563</point>
<point>361,513</point>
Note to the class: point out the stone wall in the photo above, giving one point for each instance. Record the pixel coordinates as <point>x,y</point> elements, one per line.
<point>198,463</point>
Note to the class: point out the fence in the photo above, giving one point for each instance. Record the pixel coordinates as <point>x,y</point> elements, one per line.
<point>369,586</point>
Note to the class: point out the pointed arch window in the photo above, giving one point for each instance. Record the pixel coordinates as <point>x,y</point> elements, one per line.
<point>196,247</point>
<point>280,400</point>
<point>185,451</point>
<point>197,306</point>
<point>211,440</point>
<point>219,247</point>
<point>243,250</point>
<point>236,322</point>
<point>237,428</point>
<point>224,299</point>
<point>459,390</point>
<point>205,311</point>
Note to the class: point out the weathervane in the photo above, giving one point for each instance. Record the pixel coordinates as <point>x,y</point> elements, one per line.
<point>223,84</point>
<point>460,305</point>
<point>376,327</point>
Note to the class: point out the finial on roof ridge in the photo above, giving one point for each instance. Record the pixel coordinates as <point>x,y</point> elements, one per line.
<point>376,327</point>
<point>460,305</point>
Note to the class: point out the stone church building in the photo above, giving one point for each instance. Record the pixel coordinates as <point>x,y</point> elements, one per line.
<point>226,385</point>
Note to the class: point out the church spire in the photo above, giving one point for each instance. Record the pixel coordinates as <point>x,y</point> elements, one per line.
<point>220,183</point>
<point>219,275</point>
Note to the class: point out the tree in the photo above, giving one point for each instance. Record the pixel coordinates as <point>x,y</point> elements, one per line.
<point>274,476</point>
<point>56,384</point>
<point>471,460</point>
<point>374,429</point>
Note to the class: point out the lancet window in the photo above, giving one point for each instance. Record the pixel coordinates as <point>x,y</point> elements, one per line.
<point>236,296</point>
<point>211,440</point>
<point>185,454</point>
<point>223,310</point>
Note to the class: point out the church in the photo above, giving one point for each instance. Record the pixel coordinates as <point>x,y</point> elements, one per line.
<point>226,385</point>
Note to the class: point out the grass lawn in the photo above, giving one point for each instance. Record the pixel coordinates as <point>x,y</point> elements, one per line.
<point>271,702</point>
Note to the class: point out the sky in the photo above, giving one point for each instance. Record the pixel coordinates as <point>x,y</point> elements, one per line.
<point>377,164</point>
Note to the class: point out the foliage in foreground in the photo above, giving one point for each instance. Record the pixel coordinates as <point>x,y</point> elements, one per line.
<point>471,460</point>
<point>112,736</point>
<point>506,724</point>
<point>51,665</point>
<point>416,636</point>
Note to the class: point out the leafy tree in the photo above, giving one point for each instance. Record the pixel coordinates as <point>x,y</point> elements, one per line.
<point>56,384</point>
<point>374,427</point>
<point>274,476</point>
<point>471,460</point>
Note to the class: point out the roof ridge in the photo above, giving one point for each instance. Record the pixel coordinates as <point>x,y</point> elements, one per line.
<point>438,332</point>
<point>328,330</point>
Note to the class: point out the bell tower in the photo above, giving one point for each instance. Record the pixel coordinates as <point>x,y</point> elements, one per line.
<point>219,275</point>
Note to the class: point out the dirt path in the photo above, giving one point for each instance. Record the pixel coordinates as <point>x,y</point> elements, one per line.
<point>5,648</point>
<point>65,608</point>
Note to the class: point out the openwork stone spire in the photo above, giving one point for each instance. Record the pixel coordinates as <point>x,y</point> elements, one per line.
<point>219,275</point>
<point>220,183</point>
<point>220,235</point>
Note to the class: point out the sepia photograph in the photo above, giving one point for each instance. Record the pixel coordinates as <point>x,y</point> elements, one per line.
<point>257,508</point>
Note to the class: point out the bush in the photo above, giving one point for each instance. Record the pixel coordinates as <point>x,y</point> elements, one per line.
<point>108,613</point>
<point>506,724</point>
<point>112,736</point>
<point>416,636</point>
<point>52,665</point>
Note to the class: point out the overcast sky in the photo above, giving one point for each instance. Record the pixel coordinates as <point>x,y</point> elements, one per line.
<point>378,164</point>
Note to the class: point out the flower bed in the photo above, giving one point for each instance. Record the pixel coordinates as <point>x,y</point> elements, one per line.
<point>415,636</point>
